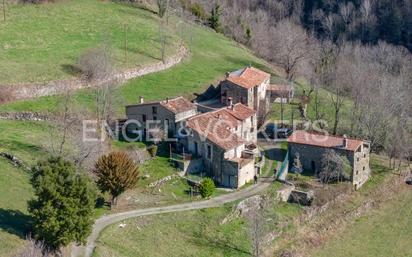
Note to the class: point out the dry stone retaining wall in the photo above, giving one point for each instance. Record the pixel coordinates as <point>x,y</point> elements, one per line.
<point>33,90</point>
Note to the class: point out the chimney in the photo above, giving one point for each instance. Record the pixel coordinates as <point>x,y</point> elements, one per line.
<point>229,102</point>
<point>227,74</point>
<point>345,141</point>
<point>141,99</point>
<point>167,99</point>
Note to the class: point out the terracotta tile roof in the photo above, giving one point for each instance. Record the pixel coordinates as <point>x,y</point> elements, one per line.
<point>241,161</point>
<point>215,129</point>
<point>279,88</point>
<point>175,105</point>
<point>249,77</point>
<point>178,105</point>
<point>328,141</point>
<point>239,111</point>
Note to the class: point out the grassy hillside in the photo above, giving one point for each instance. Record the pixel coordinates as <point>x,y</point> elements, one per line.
<point>15,190</point>
<point>189,233</point>
<point>42,42</point>
<point>26,140</point>
<point>211,56</point>
<point>385,232</point>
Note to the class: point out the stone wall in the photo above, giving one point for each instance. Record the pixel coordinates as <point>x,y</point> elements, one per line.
<point>24,116</point>
<point>34,90</point>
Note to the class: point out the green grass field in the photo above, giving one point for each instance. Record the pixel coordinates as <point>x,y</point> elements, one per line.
<point>42,42</point>
<point>15,190</point>
<point>190,233</point>
<point>211,56</point>
<point>386,231</point>
<point>26,140</point>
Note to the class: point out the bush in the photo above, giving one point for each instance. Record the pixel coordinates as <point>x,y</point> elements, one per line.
<point>198,11</point>
<point>95,64</point>
<point>152,150</point>
<point>207,187</point>
<point>6,94</point>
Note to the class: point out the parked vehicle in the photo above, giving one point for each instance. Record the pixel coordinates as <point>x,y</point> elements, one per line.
<point>409,181</point>
<point>273,132</point>
<point>284,132</point>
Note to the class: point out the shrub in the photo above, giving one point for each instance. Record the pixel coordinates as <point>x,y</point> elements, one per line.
<point>152,150</point>
<point>198,11</point>
<point>95,64</point>
<point>6,94</point>
<point>116,172</point>
<point>207,187</point>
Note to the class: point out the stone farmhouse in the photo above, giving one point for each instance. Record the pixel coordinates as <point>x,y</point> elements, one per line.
<point>219,143</point>
<point>311,147</point>
<point>247,86</point>
<point>223,141</point>
<point>170,114</point>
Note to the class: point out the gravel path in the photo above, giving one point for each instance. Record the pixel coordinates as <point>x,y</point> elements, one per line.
<point>103,222</point>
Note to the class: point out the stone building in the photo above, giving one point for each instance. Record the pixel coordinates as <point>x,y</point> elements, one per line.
<point>169,113</point>
<point>222,141</point>
<point>311,147</point>
<point>247,86</point>
<point>280,93</point>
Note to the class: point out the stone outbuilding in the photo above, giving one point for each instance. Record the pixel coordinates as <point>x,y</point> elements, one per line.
<point>280,93</point>
<point>169,113</point>
<point>311,147</point>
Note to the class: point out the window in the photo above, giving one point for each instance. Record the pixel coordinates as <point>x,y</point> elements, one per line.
<point>357,159</point>
<point>357,172</point>
<point>154,109</point>
<point>209,152</point>
<point>144,117</point>
<point>363,167</point>
<point>154,118</point>
<point>251,119</point>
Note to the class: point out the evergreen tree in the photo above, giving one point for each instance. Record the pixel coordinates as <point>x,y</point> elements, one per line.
<point>116,172</point>
<point>64,202</point>
<point>214,19</point>
<point>207,187</point>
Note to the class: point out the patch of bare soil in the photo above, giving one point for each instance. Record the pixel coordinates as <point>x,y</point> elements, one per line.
<point>331,214</point>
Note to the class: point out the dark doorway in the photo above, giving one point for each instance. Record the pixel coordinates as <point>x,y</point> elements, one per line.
<point>313,165</point>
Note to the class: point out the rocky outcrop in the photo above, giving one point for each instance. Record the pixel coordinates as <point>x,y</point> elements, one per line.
<point>16,162</point>
<point>34,90</point>
<point>244,207</point>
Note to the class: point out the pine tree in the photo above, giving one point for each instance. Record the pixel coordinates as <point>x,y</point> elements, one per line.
<point>64,202</point>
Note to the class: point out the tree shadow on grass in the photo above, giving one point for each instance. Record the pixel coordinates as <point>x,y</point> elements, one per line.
<point>15,222</point>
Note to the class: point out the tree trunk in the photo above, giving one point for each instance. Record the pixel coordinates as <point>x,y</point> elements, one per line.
<point>335,124</point>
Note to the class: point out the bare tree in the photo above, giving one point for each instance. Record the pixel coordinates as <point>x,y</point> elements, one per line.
<point>162,40</point>
<point>162,6</point>
<point>263,113</point>
<point>33,248</point>
<point>287,45</point>
<point>258,228</point>
<point>334,167</point>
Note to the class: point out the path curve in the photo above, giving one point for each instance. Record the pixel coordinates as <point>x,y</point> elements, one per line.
<point>103,222</point>
<point>34,90</point>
